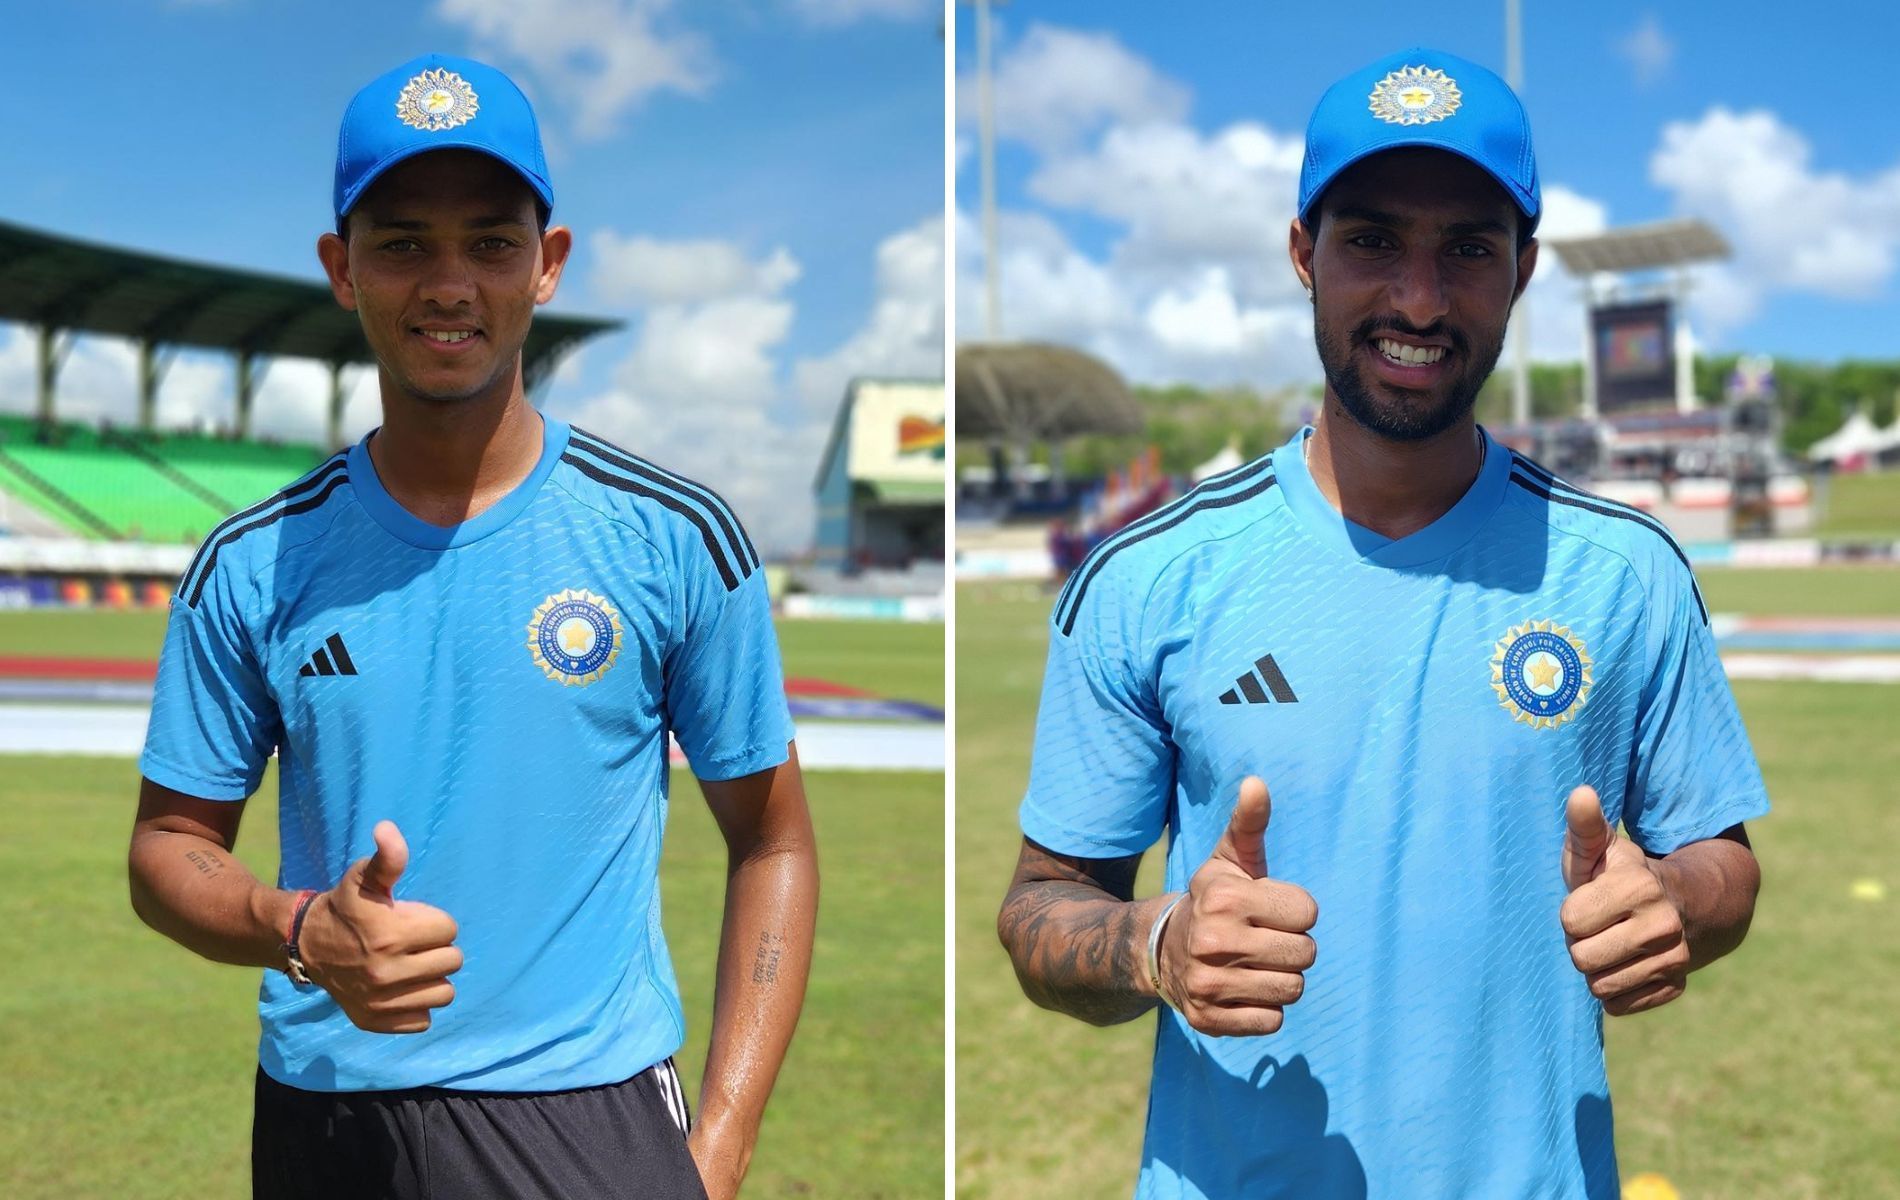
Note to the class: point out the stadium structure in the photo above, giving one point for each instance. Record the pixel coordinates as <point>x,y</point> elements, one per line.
<point>879,549</point>
<point>111,515</point>
<point>1709,471</point>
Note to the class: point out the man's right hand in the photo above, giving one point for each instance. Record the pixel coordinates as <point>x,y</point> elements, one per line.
<point>385,961</point>
<point>1234,949</point>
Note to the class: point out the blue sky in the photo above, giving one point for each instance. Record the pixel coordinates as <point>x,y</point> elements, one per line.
<point>1149,221</point>
<point>755,187</point>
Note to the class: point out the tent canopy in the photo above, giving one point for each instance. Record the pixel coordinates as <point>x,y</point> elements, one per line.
<point>1034,391</point>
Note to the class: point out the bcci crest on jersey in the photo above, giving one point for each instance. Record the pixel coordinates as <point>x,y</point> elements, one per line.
<point>574,637</point>
<point>1541,673</point>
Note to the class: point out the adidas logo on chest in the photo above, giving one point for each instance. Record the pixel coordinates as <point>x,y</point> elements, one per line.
<point>1264,684</point>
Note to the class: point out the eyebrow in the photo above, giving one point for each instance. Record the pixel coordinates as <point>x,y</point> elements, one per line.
<point>494,221</point>
<point>1354,212</point>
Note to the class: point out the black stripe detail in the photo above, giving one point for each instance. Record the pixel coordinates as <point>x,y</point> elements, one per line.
<point>601,475</point>
<point>301,506</point>
<point>1107,552</point>
<point>322,662</point>
<point>1228,697</point>
<point>1085,572</point>
<point>1603,509</point>
<point>342,656</point>
<point>307,669</point>
<point>307,483</point>
<point>1270,671</point>
<point>1108,545</point>
<point>722,512</point>
<point>1250,688</point>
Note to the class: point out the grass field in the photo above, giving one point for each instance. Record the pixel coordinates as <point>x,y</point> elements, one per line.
<point>126,1063</point>
<point>1861,506</point>
<point>1777,1075</point>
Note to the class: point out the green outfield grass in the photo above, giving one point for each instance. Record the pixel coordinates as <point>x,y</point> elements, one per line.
<point>126,1063</point>
<point>1777,1075</point>
<point>892,659</point>
<point>1859,591</point>
<point>1861,506</point>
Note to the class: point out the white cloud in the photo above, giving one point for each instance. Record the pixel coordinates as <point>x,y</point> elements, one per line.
<point>1648,50</point>
<point>1056,86</point>
<point>704,390</point>
<point>843,12</point>
<point>1792,228</point>
<point>1187,200</point>
<point>598,58</point>
<point>903,336</point>
<point>641,270</point>
<point>1552,306</point>
<point>699,391</point>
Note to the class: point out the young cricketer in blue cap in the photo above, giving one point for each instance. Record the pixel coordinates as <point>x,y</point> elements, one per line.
<point>467,640</point>
<point>1455,673</point>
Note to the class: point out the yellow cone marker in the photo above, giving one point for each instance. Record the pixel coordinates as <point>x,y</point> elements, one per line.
<point>1868,889</point>
<point>1650,1186</point>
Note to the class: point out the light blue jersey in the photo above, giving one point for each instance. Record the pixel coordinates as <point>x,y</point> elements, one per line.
<point>1420,710</point>
<point>502,689</point>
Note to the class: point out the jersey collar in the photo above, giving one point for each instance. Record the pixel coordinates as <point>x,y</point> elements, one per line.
<point>1325,524</point>
<point>410,528</point>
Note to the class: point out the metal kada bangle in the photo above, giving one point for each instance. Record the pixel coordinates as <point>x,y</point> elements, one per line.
<point>1154,950</point>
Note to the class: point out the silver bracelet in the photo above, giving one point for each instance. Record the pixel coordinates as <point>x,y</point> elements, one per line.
<point>1154,949</point>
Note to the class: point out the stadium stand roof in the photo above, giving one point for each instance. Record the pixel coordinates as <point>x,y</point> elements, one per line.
<point>60,283</point>
<point>1642,247</point>
<point>1034,391</point>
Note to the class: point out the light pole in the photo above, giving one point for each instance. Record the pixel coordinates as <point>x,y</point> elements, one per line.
<point>986,137</point>
<point>1520,354</point>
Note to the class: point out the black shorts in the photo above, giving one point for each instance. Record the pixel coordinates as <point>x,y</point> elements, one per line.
<point>618,1140</point>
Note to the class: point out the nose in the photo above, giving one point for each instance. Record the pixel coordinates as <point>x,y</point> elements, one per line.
<point>449,280</point>
<point>1417,289</point>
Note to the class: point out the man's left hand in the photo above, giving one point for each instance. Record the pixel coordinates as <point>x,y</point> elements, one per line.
<point>1626,933</point>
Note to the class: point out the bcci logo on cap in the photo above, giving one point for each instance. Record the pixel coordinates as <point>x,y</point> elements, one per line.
<point>436,100</point>
<point>574,637</point>
<point>1541,673</point>
<point>1415,96</point>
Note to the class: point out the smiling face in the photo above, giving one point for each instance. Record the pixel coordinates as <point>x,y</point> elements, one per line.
<point>444,264</point>
<point>1414,267</point>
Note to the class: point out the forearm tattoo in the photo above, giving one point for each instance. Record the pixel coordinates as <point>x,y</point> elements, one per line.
<point>209,865</point>
<point>1075,935</point>
<point>765,958</point>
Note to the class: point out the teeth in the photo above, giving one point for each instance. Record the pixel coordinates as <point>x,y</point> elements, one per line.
<point>454,335</point>
<point>1410,355</point>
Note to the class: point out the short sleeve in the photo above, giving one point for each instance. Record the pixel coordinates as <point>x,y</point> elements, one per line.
<point>214,724</point>
<point>1694,772</point>
<point>725,691</point>
<point>1103,764</point>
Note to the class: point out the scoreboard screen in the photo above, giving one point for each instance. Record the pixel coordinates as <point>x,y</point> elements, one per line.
<point>1635,356</point>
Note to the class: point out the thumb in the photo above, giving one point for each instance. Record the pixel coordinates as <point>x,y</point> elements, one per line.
<point>1245,842</point>
<point>1587,837</point>
<point>382,869</point>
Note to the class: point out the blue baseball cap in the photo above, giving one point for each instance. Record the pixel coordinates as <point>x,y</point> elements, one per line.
<point>437,103</point>
<point>1422,97</point>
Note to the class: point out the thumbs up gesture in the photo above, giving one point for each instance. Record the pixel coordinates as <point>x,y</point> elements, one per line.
<point>1235,946</point>
<point>1625,932</point>
<point>385,961</point>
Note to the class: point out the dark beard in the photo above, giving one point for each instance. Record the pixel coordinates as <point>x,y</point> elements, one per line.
<point>1412,417</point>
